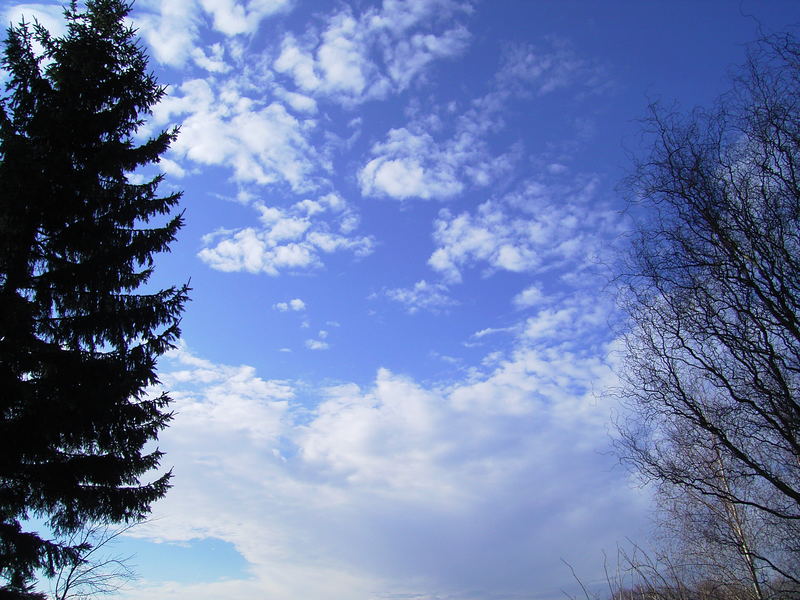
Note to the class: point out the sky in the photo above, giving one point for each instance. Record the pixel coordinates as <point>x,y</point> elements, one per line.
<point>402,220</point>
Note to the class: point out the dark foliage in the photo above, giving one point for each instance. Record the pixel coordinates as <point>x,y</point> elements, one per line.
<point>78,344</point>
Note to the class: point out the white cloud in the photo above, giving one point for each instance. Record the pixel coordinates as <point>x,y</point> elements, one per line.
<point>320,73</point>
<point>230,400</point>
<point>344,67</point>
<point>317,345</point>
<point>488,236</point>
<point>231,17</point>
<point>530,296</point>
<point>298,102</point>
<point>261,142</point>
<point>171,168</point>
<point>540,227</point>
<point>398,16</point>
<point>491,331</point>
<point>425,160</point>
<point>422,296</point>
<point>548,69</point>
<point>413,162</point>
<point>212,59</point>
<point>410,165</point>
<point>358,57</point>
<point>295,304</point>
<point>49,15</point>
<point>470,488</point>
<point>172,27</point>
<point>579,318</point>
<point>410,56</point>
<point>289,239</point>
<point>243,251</point>
<point>399,486</point>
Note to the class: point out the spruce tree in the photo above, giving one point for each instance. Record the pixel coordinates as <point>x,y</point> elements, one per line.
<point>79,337</point>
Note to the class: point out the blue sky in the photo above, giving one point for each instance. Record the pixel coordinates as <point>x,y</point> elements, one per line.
<point>401,217</point>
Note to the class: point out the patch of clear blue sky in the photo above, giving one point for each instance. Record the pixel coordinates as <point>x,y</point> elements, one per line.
<point>196,561</point>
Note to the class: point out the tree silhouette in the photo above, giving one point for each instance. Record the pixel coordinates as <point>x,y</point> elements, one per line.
<point>99,571</point>
<point>713,288</point>
<point>78,338</point>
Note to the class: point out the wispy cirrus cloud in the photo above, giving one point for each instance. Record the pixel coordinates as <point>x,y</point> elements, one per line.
<point>548,68</point>
<point>422,295</point>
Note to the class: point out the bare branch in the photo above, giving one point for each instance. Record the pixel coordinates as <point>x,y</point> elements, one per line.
<point>712,372</point>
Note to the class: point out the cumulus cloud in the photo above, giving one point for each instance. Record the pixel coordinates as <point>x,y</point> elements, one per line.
<point>226,398</point>
<point>530,296</point>
<point>489,236</point>
<point>260,141</point>
<point>295,304</point>
<point>298,102</point>
<point>287,239</point>
<point>422,296</point>
<point>419,488</point>
<point>172,27</point>
<point>211,59</point>
<point>539,227</point>
<point>427,159</point>
<point>393,485</point>
<point>49,15</point>
<point>411,165</point>
<point>358,57</point>
<point>318,344</point>
<point>232,18</point>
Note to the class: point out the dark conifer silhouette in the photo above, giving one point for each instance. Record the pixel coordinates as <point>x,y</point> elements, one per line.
<point>78,338</point>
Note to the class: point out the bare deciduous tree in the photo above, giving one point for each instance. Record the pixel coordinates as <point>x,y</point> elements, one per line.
<point>712,373</point>
<point>97,569</point>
